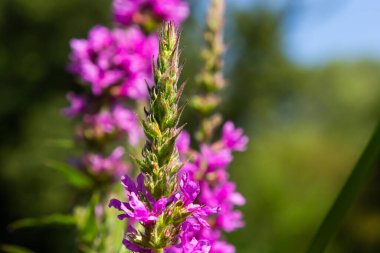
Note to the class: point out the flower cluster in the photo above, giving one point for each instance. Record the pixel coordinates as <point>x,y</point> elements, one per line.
<point>209,167</point>
<point>120,57</point>
<point>176,214</point>
<point>113,66</point>
<point>149,12</point>
<point>112,165</point>
<point>162,202</point>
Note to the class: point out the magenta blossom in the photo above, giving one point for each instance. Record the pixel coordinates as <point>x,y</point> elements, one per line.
<point>111,165</point>
<point>190,246</point>
<point>233,138</point>
<point>215,158</point>
<point>183,142</point>
<point>142,208</point>
<point>127,122</point>
<point>102,122</point>
<point>127,12</point>
<point>119,120</point>
<point>209,167</point>
<point>77,105</point>
<point>114,57</point>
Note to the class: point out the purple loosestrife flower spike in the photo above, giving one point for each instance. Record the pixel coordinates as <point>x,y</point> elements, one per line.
<point>162,200</point>
<point>160,163</point>
<point>113,66</point>
<point>210,79</point>
<point>209,165</point>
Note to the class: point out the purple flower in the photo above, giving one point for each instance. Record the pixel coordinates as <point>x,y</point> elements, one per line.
<point>189,188</point>
<point>170,10</point>
<point>127,12</point>
<point>135,208</point>
<point>215,158</point>
<point>183,142</point>
<point>225,197</point>
<point>102,122</point>
<point>77,105</point>
<point>144,209</point>
<point>233,138</point>
<point>127,121</point>
<point>113,164</point>
<point>124,10</point>
<point>230,220</point>
<point>225,193</point>
<point>114,57</point>
<point>118,121</point>
<point>209,168</point>
<point>195,246</point>
<point>222,247</point>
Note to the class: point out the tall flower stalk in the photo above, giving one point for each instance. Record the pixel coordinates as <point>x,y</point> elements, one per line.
<point>112,66</point>
<point>209,165</point>
<point>162,200</point>
<point>210,78</point>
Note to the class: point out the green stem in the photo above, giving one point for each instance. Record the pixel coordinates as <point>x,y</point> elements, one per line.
<point>355,182</point>
<point>158,250</point>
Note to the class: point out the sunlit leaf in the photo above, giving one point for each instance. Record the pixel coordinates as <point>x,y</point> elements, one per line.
<point>73,175</point>
<point>86,220</point>
<point>354,184</point>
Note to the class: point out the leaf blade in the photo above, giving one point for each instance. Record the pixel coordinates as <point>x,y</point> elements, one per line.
<point>73,175</point>
<point>354,183</point>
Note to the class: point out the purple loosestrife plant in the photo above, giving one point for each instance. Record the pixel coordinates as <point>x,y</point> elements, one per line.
<point>209,165</point>
<point>210,78</point>
<point>209,168</point>
<point>113,66</point>
<point>161,204</point>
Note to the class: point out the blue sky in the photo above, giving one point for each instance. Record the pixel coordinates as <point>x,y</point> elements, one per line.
<point>331,30</point>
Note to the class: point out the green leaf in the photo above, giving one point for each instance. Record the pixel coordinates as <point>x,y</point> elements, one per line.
<point>115,229</point>
<point>86,219</point>
<point>355,182</point>
<point>73,175</point>
<point>6,248</point>
<point>54,219</point>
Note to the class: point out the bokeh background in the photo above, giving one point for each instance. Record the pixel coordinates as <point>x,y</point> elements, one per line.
<point>304,83</point>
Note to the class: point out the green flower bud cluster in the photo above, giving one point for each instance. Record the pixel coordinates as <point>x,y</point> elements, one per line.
<point>160,163</point>
<point>210,79</point>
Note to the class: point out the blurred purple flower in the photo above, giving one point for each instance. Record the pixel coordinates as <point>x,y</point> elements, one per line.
<point>127,12</point>
<point>233,138</point>
<point>114,57</point>
<point>77,105</point>
<point>209,167</point>
<point>102,122</point>
<point>215,158</point>
<point>112,165</point>
<point>183,142</point>
<point>127,121</point>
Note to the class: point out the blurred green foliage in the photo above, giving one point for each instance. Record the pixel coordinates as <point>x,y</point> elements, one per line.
<point>307,127</point>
